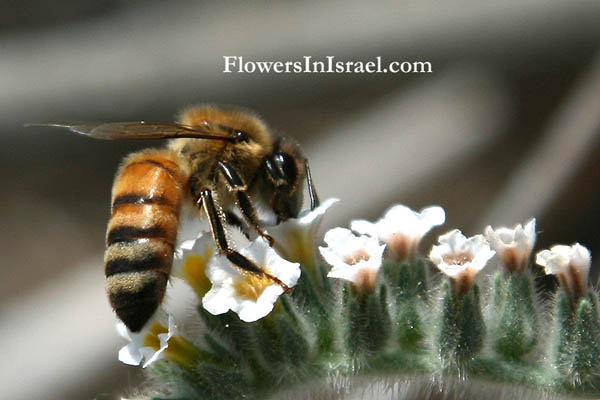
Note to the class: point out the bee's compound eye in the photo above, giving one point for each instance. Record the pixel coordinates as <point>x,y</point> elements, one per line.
<point>287,166</point>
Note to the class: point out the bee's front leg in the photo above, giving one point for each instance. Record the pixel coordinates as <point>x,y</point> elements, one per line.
<point>242,199</point>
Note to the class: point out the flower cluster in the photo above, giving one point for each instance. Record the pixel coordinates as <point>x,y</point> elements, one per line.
<point>366,305</point>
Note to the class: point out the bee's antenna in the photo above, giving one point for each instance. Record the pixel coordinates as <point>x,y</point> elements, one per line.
<point>312,192</point>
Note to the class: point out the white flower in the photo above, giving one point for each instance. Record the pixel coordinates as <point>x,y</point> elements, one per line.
<point>570,264</point>
<point>402,228</point>
<point>150,343</point>
<point>295,238</point>
<point>513,246</point>
<point>250,295</point>
<point>461,258</point>
<point>354,258</point>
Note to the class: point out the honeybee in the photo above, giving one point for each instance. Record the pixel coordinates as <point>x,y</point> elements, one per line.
<point>217,159</point>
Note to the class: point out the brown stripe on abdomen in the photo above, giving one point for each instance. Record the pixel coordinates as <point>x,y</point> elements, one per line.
<point>142,263</point>
<point>130,222</point>
<point>137,256</point>
<point>131,233</point>
<point>141,234</point>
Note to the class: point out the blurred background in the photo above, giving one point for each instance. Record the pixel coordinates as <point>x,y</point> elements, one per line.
<point>506,127</point>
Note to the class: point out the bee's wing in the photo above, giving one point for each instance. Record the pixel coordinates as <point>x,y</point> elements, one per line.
<point>136,130</point>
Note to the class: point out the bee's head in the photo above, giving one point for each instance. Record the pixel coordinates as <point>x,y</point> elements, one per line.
<point>284,175</point>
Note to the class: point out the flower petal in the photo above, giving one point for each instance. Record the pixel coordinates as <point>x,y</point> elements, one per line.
<point>250,311</point>
<point>130,354</point>
<point>364,227</point>
<point>309,217</point>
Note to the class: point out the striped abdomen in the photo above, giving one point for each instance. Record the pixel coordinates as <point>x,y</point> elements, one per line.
<point>141,233</point>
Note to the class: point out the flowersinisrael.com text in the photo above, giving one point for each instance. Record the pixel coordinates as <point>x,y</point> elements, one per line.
<point>329,64</point>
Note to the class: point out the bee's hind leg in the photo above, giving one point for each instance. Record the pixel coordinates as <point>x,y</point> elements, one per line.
<point>242,199</point>
<point>215,218</point>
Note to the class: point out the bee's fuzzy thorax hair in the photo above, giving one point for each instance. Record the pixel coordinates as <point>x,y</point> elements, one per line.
<point>231,117</point>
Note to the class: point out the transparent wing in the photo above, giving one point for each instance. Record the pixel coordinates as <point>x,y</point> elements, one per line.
<point>137,130</point>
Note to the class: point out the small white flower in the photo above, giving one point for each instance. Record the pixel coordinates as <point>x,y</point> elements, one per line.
<point>295,238</point>
<point>461,258</point>
<point>251,296</point>
<point>513,246</point>
<point>570,264</point>
<point>402,228</point>
<point>354,258</point>
<point>150,343</point>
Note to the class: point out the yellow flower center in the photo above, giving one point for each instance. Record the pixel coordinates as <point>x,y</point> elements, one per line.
<point>193,271</point>
<point>251,286</point>
<point>151,339</point>
<point>178,349</point>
